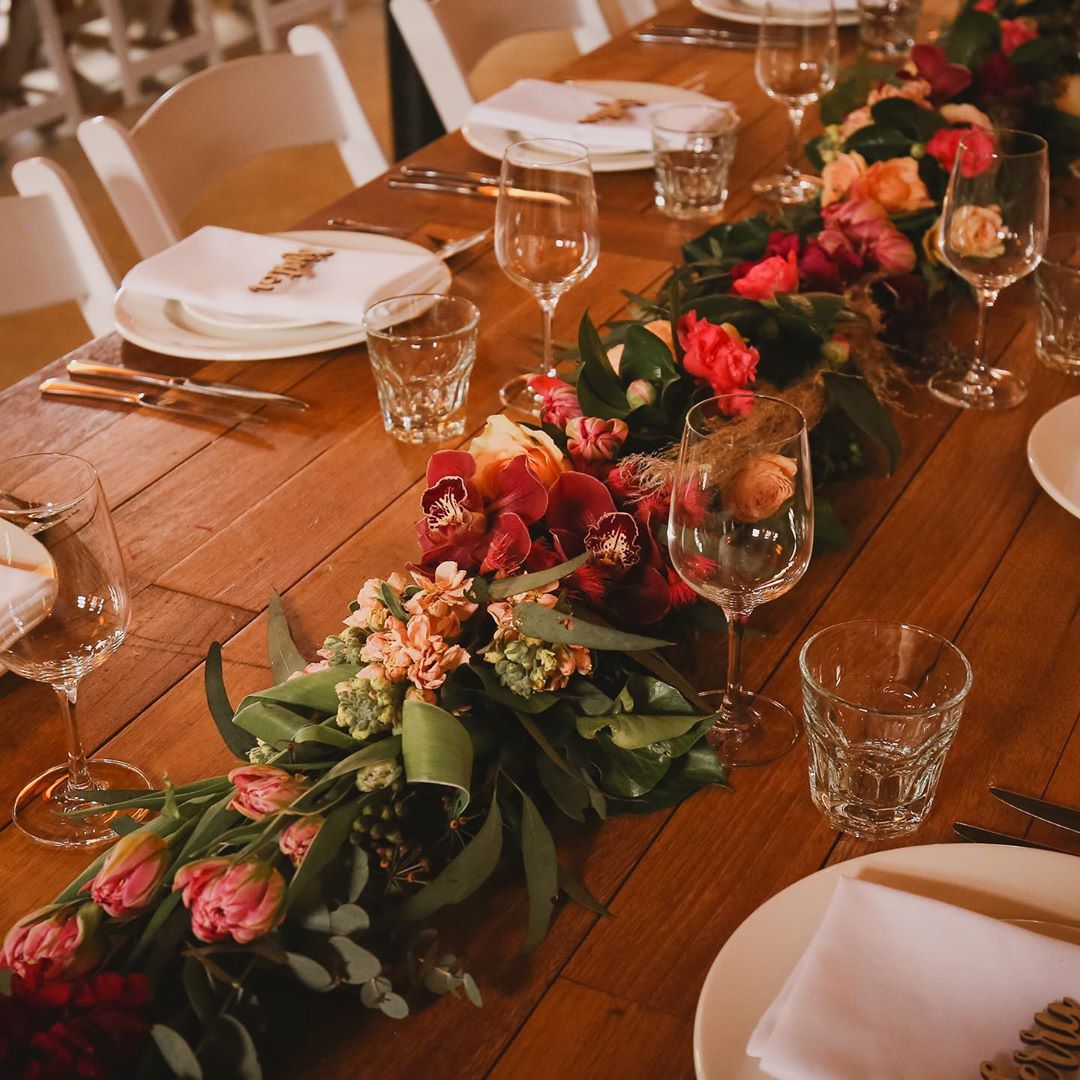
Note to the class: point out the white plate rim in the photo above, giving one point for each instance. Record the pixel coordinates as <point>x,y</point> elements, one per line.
<point>492,141</point>
<point>1035,450</point>
<point>734,11</point>
<point>1011,881</point>
<point>316,339</point>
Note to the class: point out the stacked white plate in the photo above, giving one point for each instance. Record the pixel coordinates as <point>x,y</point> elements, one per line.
<point>195,332</point>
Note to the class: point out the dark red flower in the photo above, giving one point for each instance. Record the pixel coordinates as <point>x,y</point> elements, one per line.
<point>1017,32</point>
<point>782,244</point>
<point>946,80</point>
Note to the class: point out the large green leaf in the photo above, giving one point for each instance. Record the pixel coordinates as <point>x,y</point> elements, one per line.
<point>563,628</point>
<point>631,731</point>
<point>541,871</point>
<point>645,356</point>
<point>384,750</point>
<point>285,657</point>
<point>626,774</point>
<point>692,771</point>
<point>599,389</point>
<point>853,396</point>
<point>269,721</point>
<point>436,748</point>
<point>464,874</point>
<point>972,37</point>
<point>512,586</point>
<point>917,123</point>
<point>239,742</point>
<point>314,691</point>
<point>568,792</point>
<point>176,1052</point>
<point>877,142</point>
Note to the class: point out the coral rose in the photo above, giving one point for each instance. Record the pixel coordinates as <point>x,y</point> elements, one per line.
<point>895,184</point>
<point>1017,32</point>
<point>1068,95</point>
<point>839,174</point>
<point>501,441</point>
<point>718,355</point>
<point>977,232</point>
<point>768,277</point>
<point>296,838</point>
<point>61,946</point>
<point>761,488</point>
<point>130,874</point>
<point>264,789</point>
<point>916,90</point>
<point>240,900</point>
<point>966,114</point>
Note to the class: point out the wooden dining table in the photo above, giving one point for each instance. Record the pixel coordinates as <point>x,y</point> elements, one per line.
<point>959,539</point>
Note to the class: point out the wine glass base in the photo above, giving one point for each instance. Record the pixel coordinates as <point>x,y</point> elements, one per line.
<point>40,807</point>
<point>996,389</point>
<point>515,394</point>
<point>773,732</point>
<point>789,189</point>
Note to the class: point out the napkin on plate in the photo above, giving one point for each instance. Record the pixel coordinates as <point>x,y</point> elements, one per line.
<point>27,583</point>
<point>896,986</point>
<point>216,266</point>
<point>540,109</point>
<point>809,6</point>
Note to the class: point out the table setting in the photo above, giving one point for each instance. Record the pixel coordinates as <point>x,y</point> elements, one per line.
<point>684,579</point>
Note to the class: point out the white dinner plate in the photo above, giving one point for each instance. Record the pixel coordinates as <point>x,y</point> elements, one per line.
<point>737,11</point>
<point>1009,883</point>
<point>1053,451</point>
<point>492,141</point>
<point>167,327</point>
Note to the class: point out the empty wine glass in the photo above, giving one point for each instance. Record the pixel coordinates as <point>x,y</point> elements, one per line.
<point>740,533</point>
<point>546,233</point>
<point>994,225</point>
<point>64,609</point>
<point>795,64</point>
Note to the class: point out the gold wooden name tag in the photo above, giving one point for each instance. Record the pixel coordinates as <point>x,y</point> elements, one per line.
<point>618,109</point>
<point>1052,1046</point>
<point>294,264</point>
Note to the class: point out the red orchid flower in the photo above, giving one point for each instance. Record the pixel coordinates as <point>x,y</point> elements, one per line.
<point>946,80</point>
<point>459,526</point>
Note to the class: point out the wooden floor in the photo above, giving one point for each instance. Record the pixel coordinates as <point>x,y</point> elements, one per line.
<point>960,540</point>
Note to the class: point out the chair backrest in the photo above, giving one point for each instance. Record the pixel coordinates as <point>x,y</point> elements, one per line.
<point>51,252</point>
<point>635,11</point>
<point>447,38</point>
<point>220,118</point>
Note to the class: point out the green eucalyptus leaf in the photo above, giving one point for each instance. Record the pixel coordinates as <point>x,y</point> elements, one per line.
<point>567,791</point>
<point>198,989</point>
<point>596,369</point>
<point>270,722</point>
<point>501,588</point>
<point>234,1043</point>
<point>393,602</point>
<point>562,628</point>
<point>579,893</point>
<point>238,742</point>
<point>374,991</point>
<point>394,1006</point>
<point>358,874</point>
<point>694,770</point>
<point>285,657</point>
<point>310,972</point>
<point>472,991</point>
<point>176,1052</point>
<point>348,919</point>
<point>315,691</point>
<point>360,965</point>
<point>436,748</point>
<point>541,871</point>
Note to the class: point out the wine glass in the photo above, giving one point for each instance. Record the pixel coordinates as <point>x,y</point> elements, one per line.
<point>994,225</point>
<point>546,232</point>
<point>739,534</point>
<point>795,64</point>
<point>64,609</point>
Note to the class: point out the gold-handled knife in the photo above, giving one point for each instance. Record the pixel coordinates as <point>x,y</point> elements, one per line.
<point>483,191</point>
<point>86,370</point>
<point>168,402</point>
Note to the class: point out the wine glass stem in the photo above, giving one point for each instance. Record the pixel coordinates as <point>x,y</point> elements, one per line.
<point>795,115</point>
<point>79,774</point>
<point>547,311</point>
<point>733,713</point>
<point>987,297</point>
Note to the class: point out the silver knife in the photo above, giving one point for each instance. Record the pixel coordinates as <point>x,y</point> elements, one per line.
<point>466,243</point>
<point>1061,816</point>
<point>695,39</point>
<point>454,175</point>
<point>700,31</point>
<point>987,836</point>
<point>168,402</point>
<point>483,191</point>
<point>85,369</point>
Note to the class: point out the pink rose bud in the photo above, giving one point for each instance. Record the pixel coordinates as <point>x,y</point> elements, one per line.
<point>295,839</point>
<point>894,252</point>
<point>640,392</point>
<point>558,400</point>
<point>835,353</point>
<point>242,901</point>
<point>62,946</point>
<point>592,441</point>
<point>264,789</point>
<point>130,875</point>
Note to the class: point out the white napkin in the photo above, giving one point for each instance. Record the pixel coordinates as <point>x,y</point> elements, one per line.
<point>27,583</point>
<point>895,986</point>
<point>216,266</point>
<point>540,109</point>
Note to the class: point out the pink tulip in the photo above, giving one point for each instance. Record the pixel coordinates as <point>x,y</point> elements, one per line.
<point>558,400</point>
<point>243,900</point>
<point>130,875</point>
<point>857,219</point>
<point>591,441</point>
<point>295,839</point>
<point>62,946</point>
<point>894,252</point>
<point>264,789</point>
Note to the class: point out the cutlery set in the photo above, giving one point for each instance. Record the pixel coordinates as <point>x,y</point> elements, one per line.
<point>1063,817</point>
<point>458,182</point>
<point>703,36</point>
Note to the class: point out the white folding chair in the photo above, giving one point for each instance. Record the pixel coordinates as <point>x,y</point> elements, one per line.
<point>219,118</point>
<point>271,15</point>
<point>51,252</point>
<point>447,38</point>
<point>635,11</point>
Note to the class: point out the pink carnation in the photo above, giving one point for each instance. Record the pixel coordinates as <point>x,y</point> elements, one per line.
<point>768,277</point>
<point>718,355</point>
<point>1017,32</point>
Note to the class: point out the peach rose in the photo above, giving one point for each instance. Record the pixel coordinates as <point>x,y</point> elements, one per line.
<point>660,327</point>
<point>840,174</point>
<point>977,232</point>
<point>1068,95</point>
<point>896,184</point>
<point>502,440</point>
<point>968,114</point>
<point>761,488</point>
<point>917,90</point>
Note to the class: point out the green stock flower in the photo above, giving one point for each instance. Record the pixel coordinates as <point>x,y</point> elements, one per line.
<point>524,665</point>
<point>367,706</point>
<point>378,776</point>
<point>344,648</point>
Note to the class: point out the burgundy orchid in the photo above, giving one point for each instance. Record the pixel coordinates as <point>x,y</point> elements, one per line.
<point>946,80</point>
<point>625,575</point>
<point>460,527</point>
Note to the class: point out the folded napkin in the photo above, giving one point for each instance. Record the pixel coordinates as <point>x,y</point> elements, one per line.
<point>894,986</point>
<point>551,110</point>
<point>27,583</point>
<point>215,267</point>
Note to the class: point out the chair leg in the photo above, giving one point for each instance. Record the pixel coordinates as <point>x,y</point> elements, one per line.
<point>118,38</point>
<point>52,41</point>
<point>264,25</point>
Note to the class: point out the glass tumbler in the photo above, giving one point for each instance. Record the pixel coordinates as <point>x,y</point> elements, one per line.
<point>1057,282</point>
<point>693,147</point>
<point>882,703</point>
<point>422,348</point>
<point>887,28</point>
